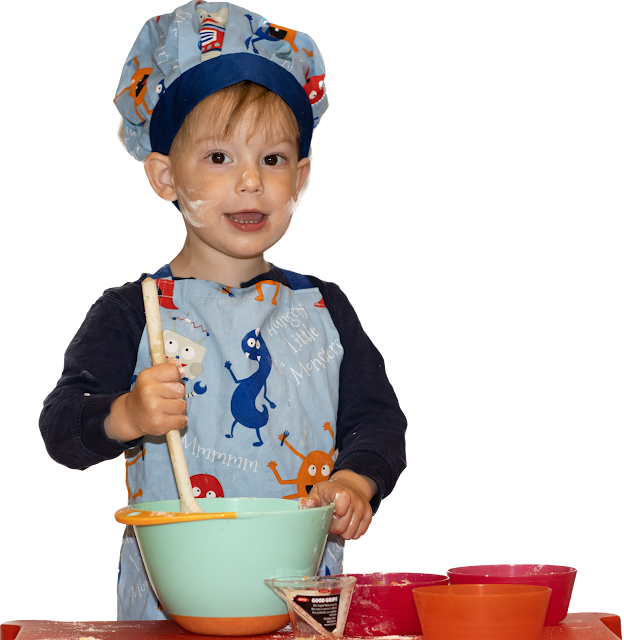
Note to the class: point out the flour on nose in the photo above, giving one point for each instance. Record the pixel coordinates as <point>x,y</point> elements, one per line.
<point>249,178</point>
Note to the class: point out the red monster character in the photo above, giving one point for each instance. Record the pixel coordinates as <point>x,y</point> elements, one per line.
<point>314,87</point>
<point>206,486</point>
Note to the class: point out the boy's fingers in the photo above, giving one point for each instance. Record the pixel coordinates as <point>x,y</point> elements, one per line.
<point>340,523</point>
<point>165,372</point>
<point>342,500</point>
<point>322,494</point>
<point>176,407</point>
<point>358,524</point>
<point>314,497</point>
<point>310,501</point>
<point>159,415</point>
<point>364,524</point>
<point>351,517</point>
<point>325,493</point>
<point>173,390</point>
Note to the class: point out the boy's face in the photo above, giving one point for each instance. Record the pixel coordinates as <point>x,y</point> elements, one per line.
<point>236,195</point>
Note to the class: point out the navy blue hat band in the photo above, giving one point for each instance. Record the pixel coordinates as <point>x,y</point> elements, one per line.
<point>204,79</point>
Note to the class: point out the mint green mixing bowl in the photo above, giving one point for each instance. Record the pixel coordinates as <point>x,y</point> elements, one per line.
<point>209,573</point>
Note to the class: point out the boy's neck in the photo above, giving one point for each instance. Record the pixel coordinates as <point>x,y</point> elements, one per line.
<point>226,270</point>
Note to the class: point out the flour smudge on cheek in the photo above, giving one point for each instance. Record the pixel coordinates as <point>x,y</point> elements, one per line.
<point>195,211</point>
<point>291,205</point>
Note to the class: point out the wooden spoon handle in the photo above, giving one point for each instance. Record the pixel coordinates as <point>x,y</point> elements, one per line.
<point>188,504</point>
<point>152,316</point>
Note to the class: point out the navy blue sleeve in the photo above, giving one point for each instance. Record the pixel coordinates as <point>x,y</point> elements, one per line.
<point>98,367</point>
<point>100,361</point>
<point>370,428</point>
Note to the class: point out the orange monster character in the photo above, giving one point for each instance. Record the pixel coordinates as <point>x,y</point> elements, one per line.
<point>316,467</point>
<point>283,33</point>
<point>260,296</point>
<point>137,88</point>
<point>139,493</point>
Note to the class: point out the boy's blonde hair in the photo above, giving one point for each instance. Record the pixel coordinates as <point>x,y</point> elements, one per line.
<point>227,108</point>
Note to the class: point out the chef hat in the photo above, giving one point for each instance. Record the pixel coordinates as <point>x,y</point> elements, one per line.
<point>182,57</point>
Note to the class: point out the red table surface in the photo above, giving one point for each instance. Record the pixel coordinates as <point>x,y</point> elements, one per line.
<point>577,626</point>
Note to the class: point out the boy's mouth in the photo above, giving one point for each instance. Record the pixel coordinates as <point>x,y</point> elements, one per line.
<point>246,217</point>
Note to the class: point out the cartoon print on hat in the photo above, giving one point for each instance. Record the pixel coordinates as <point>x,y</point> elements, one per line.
<point>315,88</point>
<point>180,58</point>
<point>137,89</point>
<point>282,33</point>
<point>211,31</point>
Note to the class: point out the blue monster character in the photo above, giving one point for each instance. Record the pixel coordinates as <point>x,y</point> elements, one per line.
<point>244,397</point>
<point>261,33</point>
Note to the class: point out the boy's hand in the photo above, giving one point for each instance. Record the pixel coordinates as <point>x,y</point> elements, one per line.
<point>155,405</point>
<point>351,494</point>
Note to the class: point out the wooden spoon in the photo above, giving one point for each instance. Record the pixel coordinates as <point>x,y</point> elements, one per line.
<point>188,504</point>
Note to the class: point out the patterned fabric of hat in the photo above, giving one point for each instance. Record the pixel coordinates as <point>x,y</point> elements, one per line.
<point>182,57</point>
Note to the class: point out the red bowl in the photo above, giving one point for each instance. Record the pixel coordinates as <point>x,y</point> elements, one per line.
<point>559,579</point>
<point>383,605</point>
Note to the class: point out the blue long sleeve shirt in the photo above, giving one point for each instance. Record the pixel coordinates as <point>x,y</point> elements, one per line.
<point>99,365</point>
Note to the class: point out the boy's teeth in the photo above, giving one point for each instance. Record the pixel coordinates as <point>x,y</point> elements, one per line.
<point>246,218</point>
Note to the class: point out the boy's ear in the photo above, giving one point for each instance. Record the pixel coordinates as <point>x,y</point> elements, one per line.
<point>303,170</point>
<point>158,169</point>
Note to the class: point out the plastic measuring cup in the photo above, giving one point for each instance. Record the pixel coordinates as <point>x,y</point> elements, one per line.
<point>318,606</point>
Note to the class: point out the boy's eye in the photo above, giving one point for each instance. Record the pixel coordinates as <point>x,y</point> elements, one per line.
<point>218,157</point>
<point>273,160</point>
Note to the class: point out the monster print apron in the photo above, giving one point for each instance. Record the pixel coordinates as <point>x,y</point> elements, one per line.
<point>261,369</point>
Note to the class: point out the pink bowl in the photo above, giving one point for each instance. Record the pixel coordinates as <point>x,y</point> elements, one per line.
<point>383,604</point>
<point>559,579</point>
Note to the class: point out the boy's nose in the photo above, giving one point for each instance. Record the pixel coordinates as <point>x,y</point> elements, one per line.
<point>250,180</point>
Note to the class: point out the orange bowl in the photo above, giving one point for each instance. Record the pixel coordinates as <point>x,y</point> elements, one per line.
<point>482,611</point>
<point>559,579</point>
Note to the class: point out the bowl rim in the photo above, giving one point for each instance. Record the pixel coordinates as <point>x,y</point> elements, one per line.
<point>470,590</point>
<point>479,571</point>
<point>392,573</point>
<point>423,577</point>
<point>131,515</point>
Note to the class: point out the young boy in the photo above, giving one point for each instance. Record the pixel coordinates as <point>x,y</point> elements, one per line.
<point>220,106</point>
